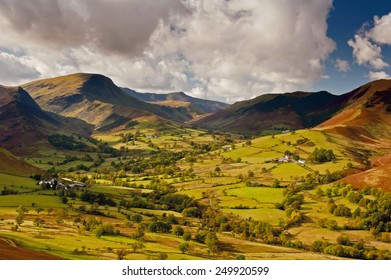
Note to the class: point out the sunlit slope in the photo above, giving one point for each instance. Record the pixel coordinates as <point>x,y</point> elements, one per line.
<point>367,118</point>
<point>92,98</point>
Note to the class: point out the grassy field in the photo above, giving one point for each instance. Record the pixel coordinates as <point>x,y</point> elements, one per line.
<point>261,195</point>
<point>18,182</point>
<point>230,176</point>
<point>27,200</point>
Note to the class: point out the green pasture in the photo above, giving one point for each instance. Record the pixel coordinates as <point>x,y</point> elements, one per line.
<point>22,184</point>
<point>269,215</point>
<point>260,194</point>
<point>288,171</point>
<point>27,200</point>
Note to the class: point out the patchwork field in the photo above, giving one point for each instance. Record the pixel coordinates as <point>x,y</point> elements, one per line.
<point>186,194</point>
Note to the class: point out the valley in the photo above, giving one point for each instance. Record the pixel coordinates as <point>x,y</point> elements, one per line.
<point>159,186</point>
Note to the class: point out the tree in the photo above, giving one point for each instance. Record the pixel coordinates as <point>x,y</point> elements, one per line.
<point>184,247</point>
<point>276,183</point>
<point>38,210</point>
<point>64,199</point>
<point>159,226</point>
<point>38,222</point>
<point>332,224</point>
<point>138,234</point>
<point>163,256</point>
<point>19,219</point>
<point>344,240</point>
<point>178,231</point>
<point>186,236</point>
<point>322,155</point>
<point>192,212</point>
<point>121,253</point>
<point>134,247</point>
<point>212,242</point>
<point>22,210</point>
<point>137,218</point>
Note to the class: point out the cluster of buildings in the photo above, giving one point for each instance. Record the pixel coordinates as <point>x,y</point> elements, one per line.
<point>286,159</point>
<point>55,184</point>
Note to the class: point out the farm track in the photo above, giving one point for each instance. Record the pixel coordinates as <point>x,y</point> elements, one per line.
<point>10,250</point>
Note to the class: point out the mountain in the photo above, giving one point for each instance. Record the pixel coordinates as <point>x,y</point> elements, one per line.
<point>270,111</point>
<point>25,126</point>
<point>195,106</point>
<point>366,116</point>
<point>363,114</point>
<point>23,122</point>
<point>94,99</point>
<point>10,164</point>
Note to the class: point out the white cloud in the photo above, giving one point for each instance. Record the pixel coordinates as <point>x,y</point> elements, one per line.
<point>366,45</point>
<point>237,49</point>
<point>227,50</point>
<point>15,70</point>
<point>367,53</point>
<point>381,32</point>
<point>378,75</point>
<point>342,65</point>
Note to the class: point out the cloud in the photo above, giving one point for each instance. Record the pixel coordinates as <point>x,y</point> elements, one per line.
<point>381,32</point>
<point>367,45</point>
<point>367,53</point>
<point>342,65</point>
<point>226,50</point>
<point>234,50</point>
<point>378,75</point>
<point>14,70</point>
<point>116,26</point>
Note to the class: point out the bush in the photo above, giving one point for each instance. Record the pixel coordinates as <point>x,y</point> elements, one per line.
<point>192,212</point>
<point>322,155</point>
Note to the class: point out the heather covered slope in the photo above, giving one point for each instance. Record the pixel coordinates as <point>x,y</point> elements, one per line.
<point>376,176</point>
<point>367,116</point>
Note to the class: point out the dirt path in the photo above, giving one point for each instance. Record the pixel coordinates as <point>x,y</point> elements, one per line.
<point>9,250</point>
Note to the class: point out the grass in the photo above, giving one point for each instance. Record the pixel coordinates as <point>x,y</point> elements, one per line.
<point>288,171</point>
<point>18,181</point>
<point>261,194</point>
<point>269,215</point>
<point>230,191</point>
<point>27,200</point>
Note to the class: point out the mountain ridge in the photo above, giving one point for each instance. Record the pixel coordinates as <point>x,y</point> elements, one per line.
<point>195,105</point>
<point>93,98</point>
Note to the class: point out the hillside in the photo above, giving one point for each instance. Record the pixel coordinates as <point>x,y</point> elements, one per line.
<point>22,120</point>
<point>377,176</point>
<point>367,115</point>
<point>10,164</point>
<point>270,111</point>
<point>92,98</point>
<point>194,106</point>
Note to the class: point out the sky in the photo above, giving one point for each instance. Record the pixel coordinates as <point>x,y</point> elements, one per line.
<point>227,50</point>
